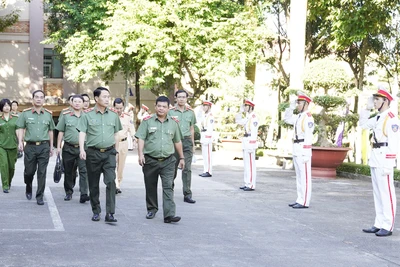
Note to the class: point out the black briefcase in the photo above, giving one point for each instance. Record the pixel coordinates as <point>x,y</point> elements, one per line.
<point>58,170</point>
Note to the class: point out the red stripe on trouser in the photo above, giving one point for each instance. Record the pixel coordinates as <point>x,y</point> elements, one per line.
<point>305,196</point>
<point>251,172</point>
<point>391,202</point>
<point>209,158</point>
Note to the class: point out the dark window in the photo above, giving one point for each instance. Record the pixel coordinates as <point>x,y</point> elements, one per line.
<point>51,64</point>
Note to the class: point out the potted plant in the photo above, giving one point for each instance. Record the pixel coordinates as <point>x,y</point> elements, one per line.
<point>328,83</point>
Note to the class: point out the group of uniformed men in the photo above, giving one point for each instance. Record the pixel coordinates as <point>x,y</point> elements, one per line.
<point>95,141</point>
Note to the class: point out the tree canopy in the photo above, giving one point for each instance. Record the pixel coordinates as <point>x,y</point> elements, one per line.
<point>205,40</point>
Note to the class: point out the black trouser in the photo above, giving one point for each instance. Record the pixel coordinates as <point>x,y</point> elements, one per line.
<point>98,162</point>
<point>36,158</point>
<point>71,161</point>
<point>165,169</point>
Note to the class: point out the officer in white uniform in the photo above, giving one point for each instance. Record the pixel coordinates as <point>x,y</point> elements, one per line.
<point>303,134</point>
<point>249,144</point>
<point>143,112</point>
<point>385,144</point>
<point>206,138</point>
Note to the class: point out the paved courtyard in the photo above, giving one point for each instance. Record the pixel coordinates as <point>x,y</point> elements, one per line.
<point>226,227</point>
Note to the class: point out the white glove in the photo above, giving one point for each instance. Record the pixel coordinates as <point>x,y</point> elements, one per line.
<point>304,159</point>
<point>387,171</point>
<point>370,103</point>
<point>239,118</point>
<point>293,104</point>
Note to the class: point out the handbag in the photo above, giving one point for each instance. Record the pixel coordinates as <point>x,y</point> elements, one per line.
<point>57,169</point>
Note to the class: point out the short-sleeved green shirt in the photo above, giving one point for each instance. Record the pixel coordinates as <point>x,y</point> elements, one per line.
<point>36,125</point>
<point>8,137</point>
<point>67,124</point>
<point>99,127</point>
<point>186,118</point>
<point>159,137</point>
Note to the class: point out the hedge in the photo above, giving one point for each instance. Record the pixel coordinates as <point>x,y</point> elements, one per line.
<point>362,169</point>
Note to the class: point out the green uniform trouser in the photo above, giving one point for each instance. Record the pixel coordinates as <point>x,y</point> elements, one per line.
<point>97,163</point>
<point>165,169</point>
<point>8,157</point>
<point>187,146</point>
<point>36,158</point>
<point>70,156</point>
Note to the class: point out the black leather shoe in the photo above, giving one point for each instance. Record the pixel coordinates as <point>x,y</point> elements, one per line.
<point>371,230</point>
<point>189,200</point>
<point>299,206</point>
<point>28,196</point>
<point>150,215</point>
<point>206,174</point>
<point>96,217</point>
<point>68,197</point>
<point>84,198</point>
<point>118,191</point>
<point>40,202</point>
<point>110,218</point>
<point>383,232</point>
<point>201,174</point>
<point>243,187</point>
<point>248,189</point>
<point>172,219</point>
<point>5,191</point>
<point>292,204</point>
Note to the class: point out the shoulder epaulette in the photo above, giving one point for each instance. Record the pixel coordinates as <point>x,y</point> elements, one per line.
<point>175,119</point>
<point>146,118</point>
<point>254,115</point>
<point>113,110</point>
<point>308,114</point>
<point>127,113</point>
<point>390,114</point>
<point>66,111</point>
<point>87,110</point>
<point>172,108</point>
<point>49,111</point>
<point>27,109</point>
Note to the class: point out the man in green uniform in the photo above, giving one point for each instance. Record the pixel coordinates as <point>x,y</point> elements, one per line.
<point>100,125</point>
<point>70,151</point>
<point>187,119</point>
<point>158,135</point>
<point>8,144</point>
<point>38,125</point>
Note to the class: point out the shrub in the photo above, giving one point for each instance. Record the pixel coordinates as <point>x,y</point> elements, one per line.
<point>362,169</point>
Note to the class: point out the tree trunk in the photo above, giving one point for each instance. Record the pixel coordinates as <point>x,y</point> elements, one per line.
<point>137,93</point>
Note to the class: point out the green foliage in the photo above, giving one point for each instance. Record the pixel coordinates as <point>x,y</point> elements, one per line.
<point>362,169</point>
<point>204,40</point>
<point>326,73</point>
<point>329,102</point>
<point>259,152</point>
<point>9,19</point>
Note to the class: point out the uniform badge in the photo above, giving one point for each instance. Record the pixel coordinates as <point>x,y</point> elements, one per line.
<point>395,127</point>
<point>211,121</point>
<point>310,124</point>
<point>255,124</point>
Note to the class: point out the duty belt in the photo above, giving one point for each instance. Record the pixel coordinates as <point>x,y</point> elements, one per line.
<point>37,143</point>
<point>123,139</point>
<point>298,141</point>
<point>159,159</point>
<point>102,150</point>
<point>378,145</point>
<point>247,135</point>
<point>69,144</point>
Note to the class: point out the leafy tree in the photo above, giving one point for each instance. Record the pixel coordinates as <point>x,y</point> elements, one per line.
<point>9,19</point>
<point>165,41</point>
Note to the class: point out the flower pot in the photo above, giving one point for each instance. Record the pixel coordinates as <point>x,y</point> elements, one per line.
<point>325,160</point>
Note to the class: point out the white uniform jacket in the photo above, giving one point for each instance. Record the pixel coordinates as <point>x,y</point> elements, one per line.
<point>207,128</point>
<point>303,131</point>
<point>386,133</point>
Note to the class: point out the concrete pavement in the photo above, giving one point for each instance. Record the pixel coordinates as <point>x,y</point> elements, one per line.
<point>226,227</point>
